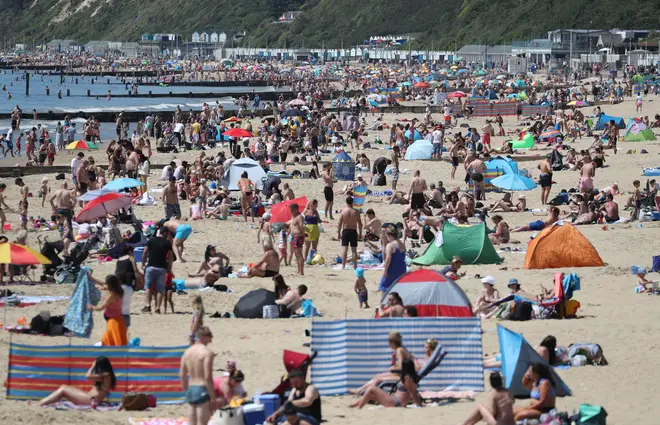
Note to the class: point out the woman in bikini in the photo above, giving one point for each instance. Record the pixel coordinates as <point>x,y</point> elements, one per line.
<point>103,376</point>
<point>542,393</point>
<point>247,191</point>
<point>502,231</point>
<point>405,368</point>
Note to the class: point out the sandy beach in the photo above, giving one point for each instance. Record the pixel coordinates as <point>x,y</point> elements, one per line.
<point>612,314</point>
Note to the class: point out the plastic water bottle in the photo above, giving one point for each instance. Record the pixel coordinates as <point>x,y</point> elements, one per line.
<point>257,395</point>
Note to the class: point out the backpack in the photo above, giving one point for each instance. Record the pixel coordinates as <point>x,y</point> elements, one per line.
<point>137,401</point>
<point>521,311</point>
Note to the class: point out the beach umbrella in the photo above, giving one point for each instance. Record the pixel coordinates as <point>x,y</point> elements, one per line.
<point>422,85</point>
<point>296,102</point>
<point>81,145</point>
<point>123,183</point>
<point>456,94</point>
<point>373,103</point>
<point>103,205</point>
<point>513,181</point>
<point>551,134</point>
<point>232,119</point>
<point>637,78</point>
<point>250,305</point>
<point>93,194</point>
<point>237,132</point>
<point>12,253</point>
<point>513,96</point>
<point>280,213</point>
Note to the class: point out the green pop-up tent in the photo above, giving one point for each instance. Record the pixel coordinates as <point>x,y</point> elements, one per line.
<point>469,243</point>
<point>637,131</point>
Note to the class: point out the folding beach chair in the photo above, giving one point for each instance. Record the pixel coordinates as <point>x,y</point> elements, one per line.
<point>434,361</point>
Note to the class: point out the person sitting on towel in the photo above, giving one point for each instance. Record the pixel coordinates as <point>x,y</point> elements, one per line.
<point>268,265</point>
<point>103,376</point>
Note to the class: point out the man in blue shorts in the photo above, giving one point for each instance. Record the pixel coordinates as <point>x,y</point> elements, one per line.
<point>181,232</point>
<point>553,216</point>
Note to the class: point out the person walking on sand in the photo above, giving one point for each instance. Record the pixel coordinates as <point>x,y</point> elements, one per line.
<point>328,191</point>
<point>416,192</point>
<point>297,231</point>
<point>349,231</point>
<point>196,375</point>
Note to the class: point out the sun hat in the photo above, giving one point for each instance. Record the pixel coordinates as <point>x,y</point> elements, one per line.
<point>489,280</point>
<point>359,272</point>
<point>513,281</point>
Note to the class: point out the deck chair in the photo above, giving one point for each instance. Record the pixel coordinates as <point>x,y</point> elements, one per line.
<point>434,361</point>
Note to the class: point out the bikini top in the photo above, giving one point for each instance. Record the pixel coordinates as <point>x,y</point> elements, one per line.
<point>536,392</point>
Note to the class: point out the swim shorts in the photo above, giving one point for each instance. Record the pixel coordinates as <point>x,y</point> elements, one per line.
<point>297,241</point>
<point>172,210</point>
<point>197,394</point>
<point>183,231</point>
<point>545,180</point>
<point>477,177</point>
<point>349,237</point>
<point>536,225</point>
<point>417,201</point>
<point>329,194</point>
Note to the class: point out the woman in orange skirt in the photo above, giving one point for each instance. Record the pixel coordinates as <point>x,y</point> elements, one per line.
<point>115,331</point>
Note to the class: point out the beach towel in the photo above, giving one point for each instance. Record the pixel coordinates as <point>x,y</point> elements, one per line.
<point>158,421</point>
<point>380,193</point>
<point>309,309</point>
<point>24,300</point>
<point>77,318</point>
<point>359,196</point>
<point>67,405</point>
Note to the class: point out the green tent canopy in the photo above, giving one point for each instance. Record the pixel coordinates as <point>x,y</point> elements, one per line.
<point>637,131</point>
<point>469,243</point>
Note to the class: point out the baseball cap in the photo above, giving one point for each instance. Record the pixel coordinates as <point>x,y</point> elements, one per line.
<point>513,281</point>
<point>489,280</point>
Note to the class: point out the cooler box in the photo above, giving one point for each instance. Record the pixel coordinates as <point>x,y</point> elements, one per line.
<point>254,414</point>
<point>270,311</point>
<point>271,403</point>
<point>137,254</point>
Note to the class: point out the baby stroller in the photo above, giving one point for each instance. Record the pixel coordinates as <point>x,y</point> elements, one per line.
<point>292,360</point>
<point>68,270</point>
<point>51,250</point>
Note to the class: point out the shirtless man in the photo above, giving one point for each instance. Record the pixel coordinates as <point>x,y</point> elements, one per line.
<point>204,193</point>
<point>181,232</point>
<point>453,154</point>
<point>297,231</point>
<point>82,179</point>
<point>587,174</point>
<point>132,161</point>
<point>196,375</point>
<point>288,192</point>
<point>23,202</point>
<point>372,226</point>
<point>553,216</point>
<point>328,191</point>
<point>269,263</point>
<point>416,192</point>
<point>587,218</point>
<point>477,168</point>
<point>62,203</point>
<point>349,231</point>
<point>171,200</point>
<point>499,407</point>
<point>3,217</point>
<point>609,211</point>
<point>395,167</point>
<point>545,179</point>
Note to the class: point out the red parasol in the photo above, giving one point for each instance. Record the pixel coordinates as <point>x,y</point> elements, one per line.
<point>280,213</point>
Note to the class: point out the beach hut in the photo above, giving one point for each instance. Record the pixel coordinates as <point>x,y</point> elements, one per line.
<point>421,149</point>
<point>637,131</point>
<point>469,243</point>
<point>432,293</point>
<point>517,356</point>
<point>233,174</point>
<point>561,245</point>
<point>343,167</point>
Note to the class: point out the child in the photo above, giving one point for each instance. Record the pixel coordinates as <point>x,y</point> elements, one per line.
<point>44,190</point>
<point>267,228</point>
<point>636,200</point>
<point>169,290</point>
<point>642,281</point>
<point>284,240</point>
<point>198,317</point>
<point>195,210</point>
<point>361,287</point>
<point>500,130</point>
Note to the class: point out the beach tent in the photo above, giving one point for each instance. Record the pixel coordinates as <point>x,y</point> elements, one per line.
<point>343,167</point>
<point>469,243</point>
<point>637,131</point>
<point>527,142</point>
<point>421,149</point>
<point>414,136</point>
<point>496,167</point>
<point>517,356</point>
<point>432,293</point>
<point>233,174</point>
<point>604,119</point>
<point>559,246</point>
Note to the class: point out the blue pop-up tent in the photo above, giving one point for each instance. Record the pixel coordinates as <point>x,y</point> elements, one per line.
<point>421,149</point>
<point>517,356</point>
<point>343,167</point>
<point>604,119</point>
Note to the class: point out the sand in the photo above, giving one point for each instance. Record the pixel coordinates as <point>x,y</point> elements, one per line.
<point>622,322</point>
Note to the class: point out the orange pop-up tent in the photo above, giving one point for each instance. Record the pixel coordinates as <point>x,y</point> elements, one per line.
<point>561,245</point>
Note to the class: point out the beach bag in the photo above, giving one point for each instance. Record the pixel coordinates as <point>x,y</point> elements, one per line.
<point>592,415</point>
<point>135,401</point>
<point>593,352</point>
<point>231,416</point>
<point>521,311</point>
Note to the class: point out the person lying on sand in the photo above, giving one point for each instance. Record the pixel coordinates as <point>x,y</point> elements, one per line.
<point>505,205</point>
<point>268,265</point>
<point>589,217</point>
<point>553,216</point>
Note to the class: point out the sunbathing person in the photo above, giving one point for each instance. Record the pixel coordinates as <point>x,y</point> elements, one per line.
<point>502,231</point>
<point>553,216</point>
<point>506,201</point>
<point>501,206</point>
<point>394,306</point>
<point>406,391</point>
<point>103,376</point>
<point>587,218</point>
<point>542,393</point>
<point>482,305</point>
<point>499,408</point>
<point>546,350</point>
<point>609,211</point>
<point>399,198</point>
<point>221,212</point>
<point>268,265</point>
<point>211,268</point>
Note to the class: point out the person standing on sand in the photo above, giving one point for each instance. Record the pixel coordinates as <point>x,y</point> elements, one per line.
<point>196,375</point>
<point>477,168</point>
<point>23,202</point>
<point>545,179</point>
<point>395,167</point>
<point>247,188</point>
<point>171,200</point>
<point>62,203</point>
<point>416,192</point>
<point>297,231</point>
<point>348,233</point>
<point>328,191</point>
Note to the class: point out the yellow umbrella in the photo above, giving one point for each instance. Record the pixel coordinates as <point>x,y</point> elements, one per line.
<point>12,253</point>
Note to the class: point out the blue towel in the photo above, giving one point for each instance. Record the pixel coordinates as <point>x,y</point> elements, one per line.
<point>78,319</point>
<point>308,309</point>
